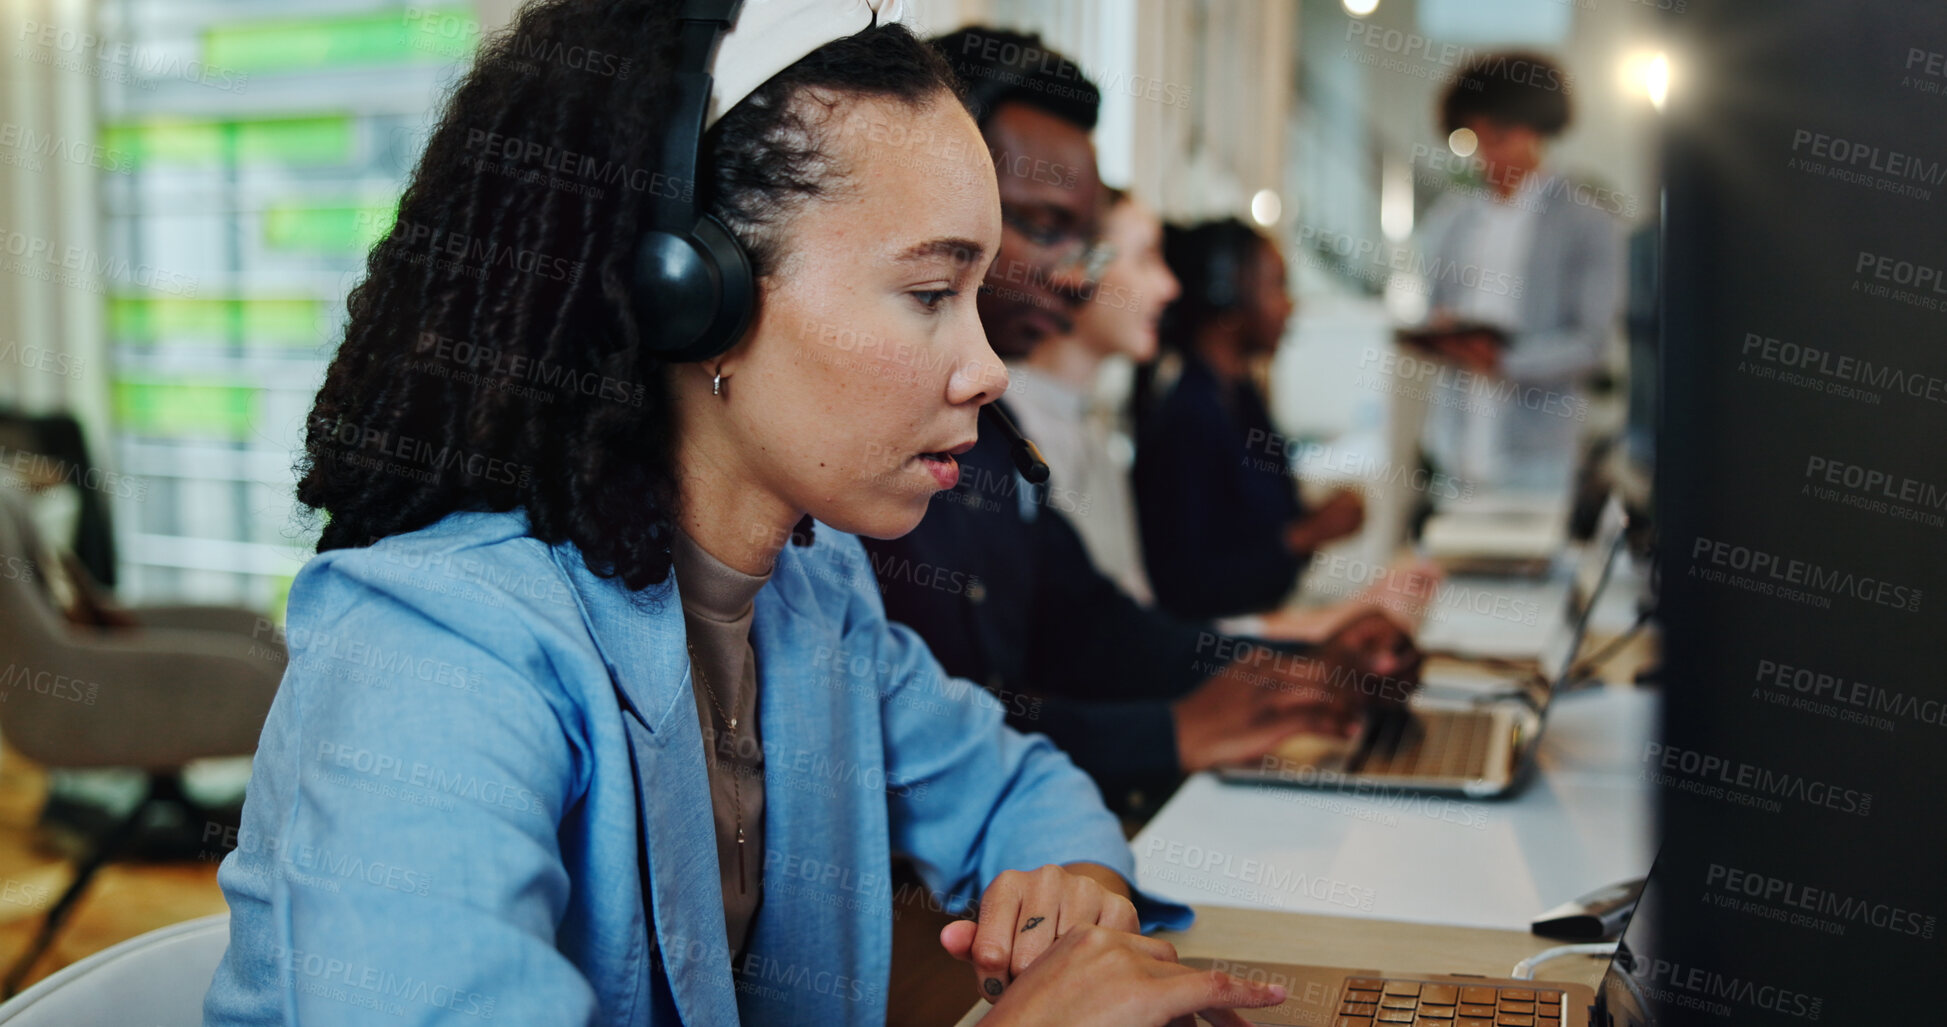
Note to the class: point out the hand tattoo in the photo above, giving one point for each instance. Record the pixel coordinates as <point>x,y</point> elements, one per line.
<point>1033,922</point>
<point>993,986</point>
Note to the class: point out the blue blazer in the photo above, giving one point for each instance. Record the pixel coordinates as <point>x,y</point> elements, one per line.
<point>481,791</point>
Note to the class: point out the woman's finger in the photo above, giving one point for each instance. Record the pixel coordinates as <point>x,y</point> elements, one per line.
<point>1039,919</point>
<point>1154,948</point>
<point>1081,904</point>
<point>1208,992</point>
<point>1224,1018</point>
<point>993,941</point>
<point>1119,914</point>
<point>957,938</point>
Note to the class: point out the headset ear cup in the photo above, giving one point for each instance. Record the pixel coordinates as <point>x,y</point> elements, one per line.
<point>694,294</point>
<point>1222,290</point>
<point>736,286</point>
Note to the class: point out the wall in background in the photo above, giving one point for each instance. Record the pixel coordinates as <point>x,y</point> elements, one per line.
<point>198,203</point>
<point>51,352</point>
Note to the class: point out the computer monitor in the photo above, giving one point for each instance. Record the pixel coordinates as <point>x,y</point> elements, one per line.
<point>1801,762</point>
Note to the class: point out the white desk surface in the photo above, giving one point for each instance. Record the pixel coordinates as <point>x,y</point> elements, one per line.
<point>1583,822</point>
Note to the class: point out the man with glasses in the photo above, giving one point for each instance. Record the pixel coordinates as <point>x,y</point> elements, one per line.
<point>1050,206</point>
<point>995,578</point>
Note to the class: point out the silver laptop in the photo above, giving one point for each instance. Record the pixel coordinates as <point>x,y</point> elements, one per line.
<point>1471,617</point>
<point>1474,736</point>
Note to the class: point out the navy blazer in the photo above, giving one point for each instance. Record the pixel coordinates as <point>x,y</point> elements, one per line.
<point>1000,587</point>
<point>1213,498</point>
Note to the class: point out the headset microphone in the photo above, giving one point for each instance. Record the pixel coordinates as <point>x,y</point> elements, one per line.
<point>1027,458</point>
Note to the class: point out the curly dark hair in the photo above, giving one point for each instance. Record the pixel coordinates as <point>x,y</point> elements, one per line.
<point>491,358</point>
<point>1518,88</point>
<point>999,66</point>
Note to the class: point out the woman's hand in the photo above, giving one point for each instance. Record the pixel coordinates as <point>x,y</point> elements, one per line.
<point>1022,915</point>
<point>1095,975</point>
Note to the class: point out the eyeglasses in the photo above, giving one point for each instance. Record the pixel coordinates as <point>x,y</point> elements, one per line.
<point>1067,248</point>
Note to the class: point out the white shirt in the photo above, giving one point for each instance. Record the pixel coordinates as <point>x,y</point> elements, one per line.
<point>1497,236</point>
<point>1481,440</point>
<point>1088,483</point>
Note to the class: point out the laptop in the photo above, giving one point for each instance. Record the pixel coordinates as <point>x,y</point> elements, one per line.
<point>1511,534</point>
<point>1468,734</point>
<point>1490,604</point>
<point>1339,997</point>
<point>1349,997</point>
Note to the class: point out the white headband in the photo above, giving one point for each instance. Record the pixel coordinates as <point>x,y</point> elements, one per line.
<point>772,35</point>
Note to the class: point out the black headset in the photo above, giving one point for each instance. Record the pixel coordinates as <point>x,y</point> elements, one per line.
<point>1222,289</point>
<point>692,285</point>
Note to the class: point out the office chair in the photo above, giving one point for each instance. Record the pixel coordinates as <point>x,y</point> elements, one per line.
<point>59,437</point>
<point>188,684</point>
<point>158,978</point>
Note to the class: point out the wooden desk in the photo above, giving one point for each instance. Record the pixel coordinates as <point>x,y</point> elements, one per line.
<point>1262,936</point>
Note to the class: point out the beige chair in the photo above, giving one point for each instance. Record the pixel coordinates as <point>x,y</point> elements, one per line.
<point>189,683</point>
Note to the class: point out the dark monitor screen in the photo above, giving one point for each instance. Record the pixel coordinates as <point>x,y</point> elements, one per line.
<point>1802,516</point>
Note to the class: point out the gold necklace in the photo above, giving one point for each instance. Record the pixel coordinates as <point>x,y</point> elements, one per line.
<point>736,778</point>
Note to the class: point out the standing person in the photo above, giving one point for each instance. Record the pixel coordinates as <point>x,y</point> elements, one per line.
<point>996,579</point>
<point>1224,530</point>
<point>1524,279</point>
<point>570,732</point>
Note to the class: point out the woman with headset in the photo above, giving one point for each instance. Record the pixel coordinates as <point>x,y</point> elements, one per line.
<point>1051,391</point>
<point>585,721</point>
<point>1224,530</point>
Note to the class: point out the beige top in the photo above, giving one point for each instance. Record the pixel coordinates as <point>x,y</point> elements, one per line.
<point>718,603</point>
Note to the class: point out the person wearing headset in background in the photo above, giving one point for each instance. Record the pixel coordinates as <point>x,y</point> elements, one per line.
<point>519,766</point>
<point>996,579</point>
<point>1523,275</point>
<point>1224,530</point>
<point>1052,393</point>
<point>1052,389</point>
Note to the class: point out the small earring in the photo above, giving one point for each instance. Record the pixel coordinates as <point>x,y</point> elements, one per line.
<point>716,384</point>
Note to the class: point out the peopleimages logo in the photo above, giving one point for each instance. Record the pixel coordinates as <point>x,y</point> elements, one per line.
<point>1432,380</point>
<point>1412,45</point>
<point>1833,373</point>
<point>1873,490</point>
<point>372,987</point>
<point>1441,168</point>
<point>417,243</point>
<point>1865,164</point>
<point>1696,987</point>
<point>1252,876</point>
<point>1770,574</point>
<point>1857,696</point>
<point>1408,261</point>
<point>1719,777</point>
<point>1821,909</point>
<point>1919,285</point>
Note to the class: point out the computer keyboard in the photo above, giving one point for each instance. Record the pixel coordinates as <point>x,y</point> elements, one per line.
<point>1434,743</point>
<point>1374,1002</point>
